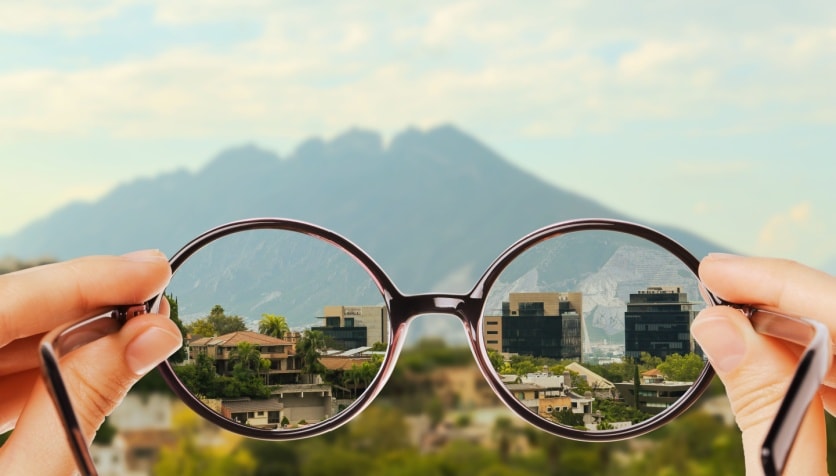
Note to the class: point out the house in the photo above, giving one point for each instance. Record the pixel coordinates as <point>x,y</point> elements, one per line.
<point>285,365</point>
<point>655,394</point>
<point>258,413</point>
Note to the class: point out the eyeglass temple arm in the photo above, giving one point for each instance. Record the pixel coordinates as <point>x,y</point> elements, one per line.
<point>52,348</point>
<point>804,386</point>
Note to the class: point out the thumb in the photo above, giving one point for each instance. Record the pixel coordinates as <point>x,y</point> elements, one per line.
<point>756,371</point>
<point>97,377</point>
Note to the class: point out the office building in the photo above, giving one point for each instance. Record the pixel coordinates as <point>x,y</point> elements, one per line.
<point>349,327</point>
<point>658,321</point>
<point>544,324</point>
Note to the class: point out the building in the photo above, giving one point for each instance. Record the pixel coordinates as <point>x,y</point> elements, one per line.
<point>538,324</point>
<point>545,393</point>
<point>654,393</point>
<point>658,321</point>
<point>601,387</point>
<point>349,327</point>
<point>258,413</point>
<point>285,366</point>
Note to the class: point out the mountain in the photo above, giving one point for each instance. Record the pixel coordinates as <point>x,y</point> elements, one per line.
<point>433,207</point>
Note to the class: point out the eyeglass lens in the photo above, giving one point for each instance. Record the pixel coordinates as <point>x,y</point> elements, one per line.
<point>587,330</point>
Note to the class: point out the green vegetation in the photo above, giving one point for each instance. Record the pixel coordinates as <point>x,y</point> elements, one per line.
<point>180,355</point>
<point>202,378</point>
<point>216,323</point>
<point>377,443</point>
<point>497,360</point>
<point>612,412</point>
<point>273,325</point>
<point>682,368</point>
<point>359,376</point>
<point>310,347</point>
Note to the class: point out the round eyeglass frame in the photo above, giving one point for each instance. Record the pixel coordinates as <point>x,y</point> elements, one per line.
<point>468,307</point>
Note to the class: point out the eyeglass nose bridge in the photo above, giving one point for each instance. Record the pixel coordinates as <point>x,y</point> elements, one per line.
<point>404,308</point>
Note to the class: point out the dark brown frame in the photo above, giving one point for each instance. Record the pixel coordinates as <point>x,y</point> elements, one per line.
<point>469,309</point>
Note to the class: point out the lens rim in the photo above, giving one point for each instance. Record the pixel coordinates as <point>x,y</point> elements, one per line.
<point>470,308</point>
<point>552,231</point>
<point>383,283</point>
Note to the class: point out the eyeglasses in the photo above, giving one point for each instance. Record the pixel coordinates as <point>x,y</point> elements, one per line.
<point>582,328</point>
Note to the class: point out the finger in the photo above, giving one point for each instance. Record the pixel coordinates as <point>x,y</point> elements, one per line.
<point>20,355</point>
<point>828,397</point>
<point>14,390</point>
<point>756,371</point>
<point>772,283</point>
<point>39,299</point>
<point>95,384</point>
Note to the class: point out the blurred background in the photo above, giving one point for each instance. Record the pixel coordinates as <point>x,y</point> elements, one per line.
<point>433,136</point>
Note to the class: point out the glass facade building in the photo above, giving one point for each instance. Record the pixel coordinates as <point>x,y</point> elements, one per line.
<point>539,325</point>
<point>658,321</point>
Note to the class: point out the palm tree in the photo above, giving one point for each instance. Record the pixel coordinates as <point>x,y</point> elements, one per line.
<point>352,376</point>
<point>248,355</point>
<point>273,325</point>
<point>309,347</point>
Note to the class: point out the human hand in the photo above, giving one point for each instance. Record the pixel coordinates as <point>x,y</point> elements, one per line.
<point>97,375</point>
<point>756,369</point>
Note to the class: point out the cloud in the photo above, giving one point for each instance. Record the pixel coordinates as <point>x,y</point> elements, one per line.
<point>708,168</point>
<point>785,233</point>
<point>549,71</point>
<point>42,16</point>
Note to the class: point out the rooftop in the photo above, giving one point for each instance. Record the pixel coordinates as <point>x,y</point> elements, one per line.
<point>249,405</point>
<point>234,338</point>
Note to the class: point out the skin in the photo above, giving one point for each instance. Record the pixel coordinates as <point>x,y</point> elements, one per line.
<point>756,369</point>
<point>36,300</point>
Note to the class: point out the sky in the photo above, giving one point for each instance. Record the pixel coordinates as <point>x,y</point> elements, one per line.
<point>718,117</point>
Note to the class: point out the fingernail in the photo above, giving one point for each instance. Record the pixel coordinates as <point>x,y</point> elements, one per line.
<point>721,341</point>
<point>150,348</point>
<point>146,256</point>
<point>721,256</point>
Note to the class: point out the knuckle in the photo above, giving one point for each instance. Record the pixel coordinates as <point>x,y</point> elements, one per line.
<point>96,397</point>
<point>754,401</point>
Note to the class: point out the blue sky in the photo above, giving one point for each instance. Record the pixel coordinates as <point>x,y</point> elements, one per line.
<point>717,117</point>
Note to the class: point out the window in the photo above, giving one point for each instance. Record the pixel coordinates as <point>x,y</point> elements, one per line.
<point>349,322</point>
<point>532,309</point>
<point>493,332</point>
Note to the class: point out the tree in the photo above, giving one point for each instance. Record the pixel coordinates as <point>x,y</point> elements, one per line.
<point>201,327</point>
<point>649,362</point>
<point>273,325</point>
<point>569,418</point>
<point>682,368</point>
<point>497,360</point>
<point>217,323</point>
<point>180,355</point>
<point>199,377</point>
<point>225,324</point>
<point>309,347</point>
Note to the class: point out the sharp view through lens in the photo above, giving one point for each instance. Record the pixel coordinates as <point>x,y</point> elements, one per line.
<point>434,208</point>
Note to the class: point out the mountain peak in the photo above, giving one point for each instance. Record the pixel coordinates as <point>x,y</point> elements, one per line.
<point>355,142</point>
<point>247,156</point>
